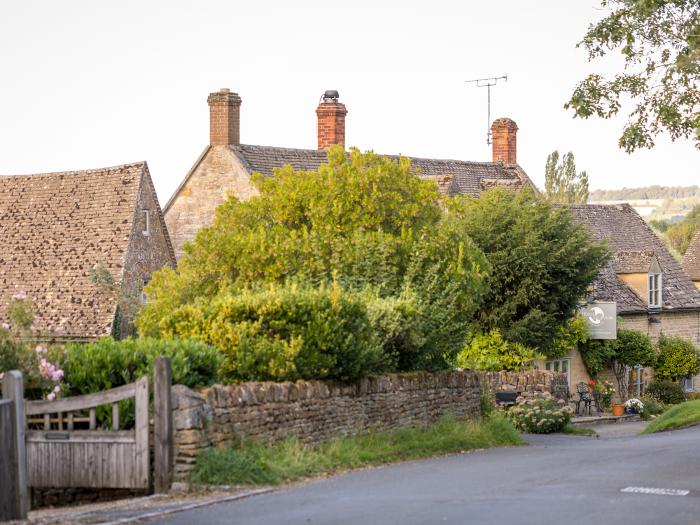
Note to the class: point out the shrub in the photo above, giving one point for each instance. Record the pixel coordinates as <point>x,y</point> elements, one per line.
<point>491,352</point>
<point>677,358</point>
<point>652,406</point>
<point>540,417</point>
<point>283,333</point>
<point>666,391</point>
<point>108,363</point>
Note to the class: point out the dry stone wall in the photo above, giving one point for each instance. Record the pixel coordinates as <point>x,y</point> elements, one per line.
<point>530,384</point>
<point>316,410</point>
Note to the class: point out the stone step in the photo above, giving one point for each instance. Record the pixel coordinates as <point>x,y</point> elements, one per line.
<point>603,419</point>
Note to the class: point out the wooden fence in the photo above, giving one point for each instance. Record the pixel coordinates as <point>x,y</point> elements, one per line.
<point>14,496</point>
<point>64,448</point>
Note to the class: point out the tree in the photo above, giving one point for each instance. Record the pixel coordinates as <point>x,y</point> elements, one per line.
<point>681,233</point>
<point>631,348</point>
<point>542,264</point>
<point>365,222</point>
<point>659,41</point>
<point>678,358</point>
<point>562,183</point>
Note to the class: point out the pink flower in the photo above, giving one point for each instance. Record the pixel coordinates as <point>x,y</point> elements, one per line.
<point>51,396</point>
<point>6,326</point>
<point>57,389</point>
<point>20,296</point>
<point>41,349</point>
<point>56,376</point>
<point>2,374</point>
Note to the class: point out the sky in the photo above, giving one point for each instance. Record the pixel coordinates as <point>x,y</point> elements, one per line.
<point>86,84</point>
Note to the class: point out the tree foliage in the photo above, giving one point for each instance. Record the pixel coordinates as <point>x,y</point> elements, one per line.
<point>491,352</point>
<point>631,348</point>
<point>681,233</point>
<point>542,263</point>
<point>659,41</point>
<point>364,222</point>
<point>678,358</point>
<point>562,183</point>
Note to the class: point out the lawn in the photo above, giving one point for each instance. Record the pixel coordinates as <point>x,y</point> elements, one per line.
<point>679,416</point>
<point>290,460</point>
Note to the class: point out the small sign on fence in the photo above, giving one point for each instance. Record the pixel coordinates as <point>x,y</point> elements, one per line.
<point>601,319</point>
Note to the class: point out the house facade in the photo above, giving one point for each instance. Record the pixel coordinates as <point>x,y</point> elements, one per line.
<point>652,291</point>
<point>225,166</point>
<point>80,245</point>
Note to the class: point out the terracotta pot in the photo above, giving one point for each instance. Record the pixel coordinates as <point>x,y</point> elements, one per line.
<point>618,410</point>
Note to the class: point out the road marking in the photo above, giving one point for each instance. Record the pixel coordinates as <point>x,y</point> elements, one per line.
<point>657,491</point>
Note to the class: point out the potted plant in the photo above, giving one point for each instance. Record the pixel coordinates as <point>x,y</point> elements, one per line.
<point>634,406</point>
<point>618,409</point>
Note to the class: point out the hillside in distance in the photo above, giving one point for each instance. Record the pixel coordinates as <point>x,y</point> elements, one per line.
<point>666,203</point>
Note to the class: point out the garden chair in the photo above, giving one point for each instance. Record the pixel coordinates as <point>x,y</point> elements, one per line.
<point>585,397</point>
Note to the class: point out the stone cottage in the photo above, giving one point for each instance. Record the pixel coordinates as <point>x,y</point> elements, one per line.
<point>225,166</point>
<point>80,245</point>
<point>691,260</point>
<point>652,291</point>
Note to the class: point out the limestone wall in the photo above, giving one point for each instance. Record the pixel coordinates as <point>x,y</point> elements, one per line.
<point>530,384</point>
<point>316,410</point>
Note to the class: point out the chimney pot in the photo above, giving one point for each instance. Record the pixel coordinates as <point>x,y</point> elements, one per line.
<point>224,118</point>
<point>331,120</point>
<point>503,140</point>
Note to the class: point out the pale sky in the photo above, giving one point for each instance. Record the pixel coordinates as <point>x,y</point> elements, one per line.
<point>87,84</point>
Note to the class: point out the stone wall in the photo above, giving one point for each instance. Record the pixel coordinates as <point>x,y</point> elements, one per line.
<point>315,410</point>
<point>530,384</point>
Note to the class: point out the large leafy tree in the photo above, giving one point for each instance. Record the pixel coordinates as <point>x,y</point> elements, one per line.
<point>659,41</point>
<point>542,263</point>
<point>681,233</point>
<point>363,221</point>
<point>562,183</point>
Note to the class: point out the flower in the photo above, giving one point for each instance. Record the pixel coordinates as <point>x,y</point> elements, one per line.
<point>51,396</point>
<point>6,326</point>
<point>20,296</point>
<point>41,349</point>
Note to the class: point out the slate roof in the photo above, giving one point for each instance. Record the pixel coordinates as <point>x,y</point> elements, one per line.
<point>469,178</point>
<point>633,262</point>
<point>626,233</point>
<point>54,228</point>
<point>691,259</point>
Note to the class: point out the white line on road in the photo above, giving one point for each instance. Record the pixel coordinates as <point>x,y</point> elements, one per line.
<point>660,492</point>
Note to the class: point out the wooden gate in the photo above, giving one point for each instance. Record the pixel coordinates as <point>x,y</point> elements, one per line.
<point>66,449</point>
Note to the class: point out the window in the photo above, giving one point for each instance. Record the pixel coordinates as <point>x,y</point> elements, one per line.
<point>146,223</point>
<point>655,290</point>
<point>687,384</point>
<point>635,380</point>
<point>144,297</point>
<point>560,365</point>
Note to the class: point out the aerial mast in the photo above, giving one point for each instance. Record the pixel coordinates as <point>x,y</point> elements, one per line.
<point>487,83</point>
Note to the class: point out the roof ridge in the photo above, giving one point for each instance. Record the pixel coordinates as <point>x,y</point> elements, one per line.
<point>132,165</point>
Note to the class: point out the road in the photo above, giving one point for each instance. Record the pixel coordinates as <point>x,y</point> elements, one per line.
<point>556,480</point>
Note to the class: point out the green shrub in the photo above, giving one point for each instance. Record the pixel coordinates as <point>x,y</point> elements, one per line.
<point>652,406</point>
<point>677,358</point>
<point>283,333</point>
<point>666,391</point>
<point>108,363</point>
<point>491,352</point>
<point>541,416</point>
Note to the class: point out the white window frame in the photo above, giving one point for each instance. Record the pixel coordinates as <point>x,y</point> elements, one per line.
<point>555,365</point>
<point>147,223</point>
<point>655,283</point>
<point>638,385</point>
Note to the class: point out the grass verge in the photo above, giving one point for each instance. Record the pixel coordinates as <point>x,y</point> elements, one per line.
<point>678,416</point>
<point>259,464</point>
<point>578,431</point>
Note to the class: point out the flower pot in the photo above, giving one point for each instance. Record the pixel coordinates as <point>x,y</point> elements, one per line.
<point>618,410</point>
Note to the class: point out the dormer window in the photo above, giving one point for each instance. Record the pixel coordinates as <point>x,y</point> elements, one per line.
<point>655,283</point>
<point>146,223</point>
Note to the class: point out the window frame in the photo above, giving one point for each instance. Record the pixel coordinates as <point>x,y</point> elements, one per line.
<point>549,365</point>
<point>655,289</point>
<point>147,223</point>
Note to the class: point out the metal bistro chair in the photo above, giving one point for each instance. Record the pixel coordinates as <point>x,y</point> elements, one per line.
<point>585,397</point>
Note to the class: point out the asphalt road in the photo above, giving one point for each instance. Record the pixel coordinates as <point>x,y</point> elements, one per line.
<point>556,480</point>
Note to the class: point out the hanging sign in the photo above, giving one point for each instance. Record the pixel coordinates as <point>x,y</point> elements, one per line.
<point>601,319</point>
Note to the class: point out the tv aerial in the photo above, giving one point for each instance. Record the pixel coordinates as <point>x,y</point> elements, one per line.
<point>488,83</point>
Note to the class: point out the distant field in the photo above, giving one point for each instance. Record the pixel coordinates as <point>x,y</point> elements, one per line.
<point>670,209</point>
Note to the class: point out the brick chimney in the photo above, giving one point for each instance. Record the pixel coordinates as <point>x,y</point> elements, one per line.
<point>224,118</point>
<point>331,120</point>
<point>503,133</point>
